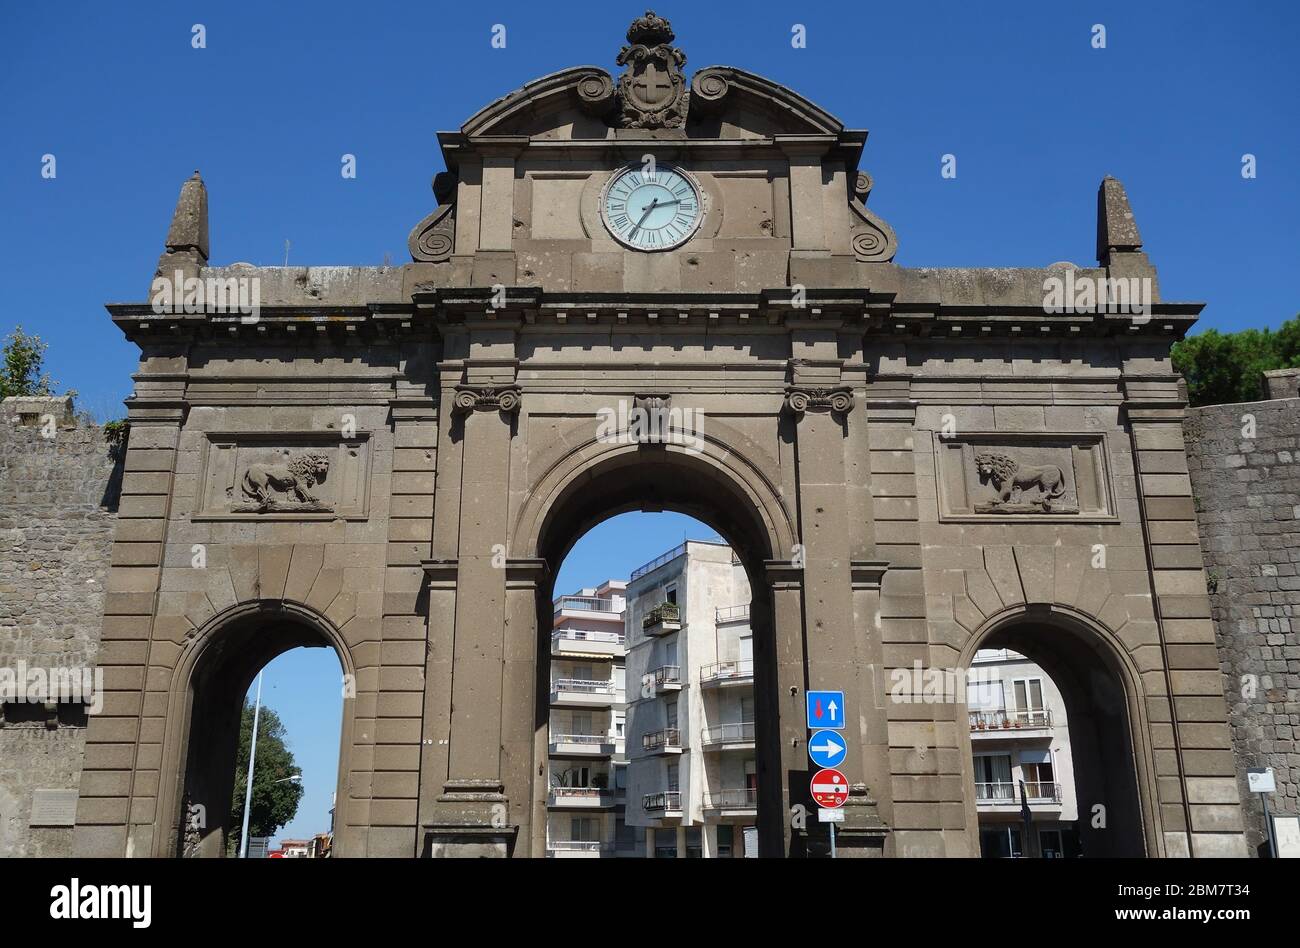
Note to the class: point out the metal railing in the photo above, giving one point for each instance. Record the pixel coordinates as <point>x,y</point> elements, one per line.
<point>585,604</point>
<point>657,562</point>
<point>577,846</point>
<point>579,793</point>
<point>585,635</point>
<point>731,613</point>
<point>736,799</point>
<point>667,737</point>
<point>1002,719</point>
<point>667,675</point>
<point>581,739</point>
<point>741,733</point>
<point>664,800</point>
<point>722,671</point>
<point>1036,791</point>
<point>584,686</point>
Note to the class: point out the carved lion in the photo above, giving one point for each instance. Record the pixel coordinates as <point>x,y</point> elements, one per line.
<point>293,478</point>
<point>1011,480</point>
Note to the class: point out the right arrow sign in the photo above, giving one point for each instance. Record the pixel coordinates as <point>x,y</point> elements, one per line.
<point>826,748</point>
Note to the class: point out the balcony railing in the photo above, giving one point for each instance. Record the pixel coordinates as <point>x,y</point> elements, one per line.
<point>741,798</point>
<point>1002,720</point>
<point>732,613</point>
<point>585,604</point>
<point>577,846</point>
<point>657,562</point>
<point>579,793</point>
<point>667,800</point>
<point>669,737</point>
<point>585,635</point>
<point>665,612</point>
<point>741,733</point>
<point>592,739</point>
<point>583,686</point>
<point>667,675</point>
<point>1036,791</point>
<point>727,671</point>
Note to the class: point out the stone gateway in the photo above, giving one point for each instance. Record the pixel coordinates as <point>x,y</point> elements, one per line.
<point>911,464</point>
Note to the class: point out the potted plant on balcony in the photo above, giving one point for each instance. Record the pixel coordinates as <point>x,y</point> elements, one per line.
<point>664,612</point>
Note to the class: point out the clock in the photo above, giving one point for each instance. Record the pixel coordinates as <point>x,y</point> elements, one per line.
<point>651,208</point>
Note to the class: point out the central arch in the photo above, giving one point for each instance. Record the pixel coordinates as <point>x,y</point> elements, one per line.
<point>721,488</point>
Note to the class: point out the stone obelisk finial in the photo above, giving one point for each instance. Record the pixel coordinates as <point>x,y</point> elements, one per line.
<point>187,238</point>
<point>1117,229</point>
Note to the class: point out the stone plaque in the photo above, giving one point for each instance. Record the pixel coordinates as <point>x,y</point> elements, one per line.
<point>54,808</point>
<point>1003,475</point>
<point>291,476</point>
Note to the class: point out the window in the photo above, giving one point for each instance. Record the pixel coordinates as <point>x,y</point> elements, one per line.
<point>1039,775</point>
<point>1029,694</point>
<point>583,829</point>
<point>1049,844</point>
<point>671,594</point>
<point>747,709</point>
<point>671,711</point>
<point>1002,843</point>
<point>674,776</point>
<point>993,778</point>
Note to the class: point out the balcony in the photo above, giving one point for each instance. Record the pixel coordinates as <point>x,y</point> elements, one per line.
<point>657,562</point>
<point>665,741</point>
<point>578,849</point>
<point>1003,723</point>
<point>667,678</point>
<point>722,674</point>
<point>664,803</point>
<point>587,604</point>
<point>582,745</point>
<point>580,798</point>
<point>729,736</point>
<point>731,614</point>
<point>742,801</point>
<point>1008,794</point>
<point>584,693</point>
<point>662,619</point>
<point>581,643</point>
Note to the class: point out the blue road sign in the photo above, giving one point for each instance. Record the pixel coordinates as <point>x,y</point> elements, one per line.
<point>826,709</point>
<point>827,749</point>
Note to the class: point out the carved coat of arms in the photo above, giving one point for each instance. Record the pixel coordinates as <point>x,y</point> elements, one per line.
<point>652,88</point>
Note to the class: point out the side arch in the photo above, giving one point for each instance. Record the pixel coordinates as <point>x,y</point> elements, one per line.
<point>213,673</point>
<point>1107,713</point>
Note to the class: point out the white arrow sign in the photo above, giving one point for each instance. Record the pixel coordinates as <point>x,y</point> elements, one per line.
<point>829,749</point>
<point>832,708</point>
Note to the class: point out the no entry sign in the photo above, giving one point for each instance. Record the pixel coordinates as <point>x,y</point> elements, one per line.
<point>830,788</point>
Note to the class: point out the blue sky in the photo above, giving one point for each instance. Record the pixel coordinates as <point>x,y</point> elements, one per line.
<point>1034,115</point>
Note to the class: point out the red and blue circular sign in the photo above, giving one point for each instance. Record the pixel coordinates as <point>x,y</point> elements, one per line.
<point>830,788</point>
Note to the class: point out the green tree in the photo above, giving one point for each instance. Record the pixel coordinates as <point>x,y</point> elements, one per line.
<point>1222,368</point>
<point>274,804</point>
<point>24,359</point>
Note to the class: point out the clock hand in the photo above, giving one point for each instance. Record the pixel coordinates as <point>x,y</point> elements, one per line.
<point>652,205</point>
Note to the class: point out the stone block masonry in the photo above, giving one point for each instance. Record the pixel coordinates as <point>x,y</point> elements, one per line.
<point>1244,462</point>
<point>58,507</point>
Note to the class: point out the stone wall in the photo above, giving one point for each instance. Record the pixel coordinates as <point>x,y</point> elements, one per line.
<point>58,506</point>
<point>1244,462</point>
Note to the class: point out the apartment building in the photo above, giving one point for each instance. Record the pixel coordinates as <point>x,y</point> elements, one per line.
<point>691,774</point>
<point>587,779</point>
<point>1020,744</point>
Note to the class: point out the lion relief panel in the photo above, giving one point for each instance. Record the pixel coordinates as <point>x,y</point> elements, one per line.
<point>997,475</point>
<point>293,476</point>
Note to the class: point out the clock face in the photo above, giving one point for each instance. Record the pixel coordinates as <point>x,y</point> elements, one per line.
<point>651,209</point>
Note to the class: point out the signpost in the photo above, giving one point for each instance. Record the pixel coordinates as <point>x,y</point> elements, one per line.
<point>827,749</point>
<point>1260,780</point>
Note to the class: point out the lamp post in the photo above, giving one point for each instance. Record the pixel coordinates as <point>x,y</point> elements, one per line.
<point>252,757</point>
